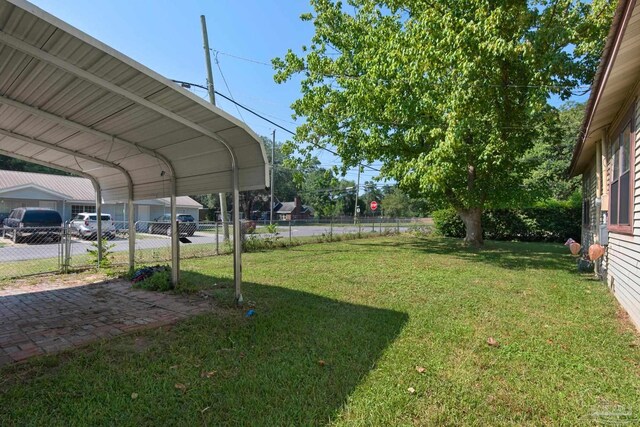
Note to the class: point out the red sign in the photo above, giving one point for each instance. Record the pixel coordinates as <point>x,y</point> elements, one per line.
<point>374,205</point>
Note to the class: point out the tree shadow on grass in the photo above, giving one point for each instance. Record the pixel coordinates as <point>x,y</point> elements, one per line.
<point>293,362</point>
<point>508,255</point>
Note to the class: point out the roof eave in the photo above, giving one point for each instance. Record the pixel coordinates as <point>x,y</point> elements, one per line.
<point>619,23</point>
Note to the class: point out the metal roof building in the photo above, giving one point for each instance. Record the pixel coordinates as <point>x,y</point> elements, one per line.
<point>70,102</point>
<point>71,187</point>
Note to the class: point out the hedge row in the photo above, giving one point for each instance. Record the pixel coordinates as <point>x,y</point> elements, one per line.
<point>550,223</point>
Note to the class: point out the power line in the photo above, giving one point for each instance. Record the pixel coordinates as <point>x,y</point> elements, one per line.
<point>188,85</point>
<point>227,85</point>
<point>255,61</point>
<point>586,87</point>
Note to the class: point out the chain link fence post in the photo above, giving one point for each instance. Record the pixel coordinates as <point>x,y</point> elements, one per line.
<point>217,238</point>
<point>67,248</point>
<point>331,229</point>
<point>290,236</point>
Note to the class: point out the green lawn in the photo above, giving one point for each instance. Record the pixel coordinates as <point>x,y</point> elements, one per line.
<point>339,332</point>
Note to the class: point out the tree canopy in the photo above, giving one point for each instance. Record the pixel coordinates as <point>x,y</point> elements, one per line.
<point>11,164</point>
<point>551,155</point>
<point>447,94</point>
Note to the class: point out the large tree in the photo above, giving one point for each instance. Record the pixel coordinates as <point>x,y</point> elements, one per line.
<point>448,94</point>
<point>551,155</point>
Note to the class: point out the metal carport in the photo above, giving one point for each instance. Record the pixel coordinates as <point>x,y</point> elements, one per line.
<point>70,102</point>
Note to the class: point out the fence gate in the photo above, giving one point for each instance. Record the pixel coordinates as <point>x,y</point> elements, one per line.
<point>28,251</point>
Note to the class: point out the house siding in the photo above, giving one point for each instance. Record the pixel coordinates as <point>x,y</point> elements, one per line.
<point>622,263</point>
<point>589,231</point>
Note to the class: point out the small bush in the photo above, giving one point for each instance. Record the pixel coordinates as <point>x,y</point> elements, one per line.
<point>420,230</point>
<point>546,222</point>
<point>158,281</point>
<point>107,253</point>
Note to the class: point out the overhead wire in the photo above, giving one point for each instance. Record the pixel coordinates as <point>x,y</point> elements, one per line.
<point>586,87</point>
<point>227,85</point>
<point>320,147</point>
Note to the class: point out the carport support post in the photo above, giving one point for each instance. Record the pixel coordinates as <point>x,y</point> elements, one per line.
<point>99,223</point>
<point>237,235</point>
<point>175,255</point>
<point>132,235</point>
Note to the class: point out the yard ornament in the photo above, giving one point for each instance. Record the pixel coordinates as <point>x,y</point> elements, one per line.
<point>595,251</point>
<point>574,246</point>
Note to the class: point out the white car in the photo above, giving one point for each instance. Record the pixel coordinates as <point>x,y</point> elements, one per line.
<point>85,225</point>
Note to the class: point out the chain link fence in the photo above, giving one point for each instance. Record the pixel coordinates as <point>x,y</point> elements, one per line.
<point>26,251</point>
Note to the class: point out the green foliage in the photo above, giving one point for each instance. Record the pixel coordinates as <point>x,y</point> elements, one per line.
<point>324,192</point>
<point>420,230</point>
<point>273,236</point>
<point>448,223</point>
<point>551,155</point>
<point>107,253</point>
<point>545,222</point>
<point>397,204</point>
<point>272,228</point>
<point>11,164</point>
<point>159,281</point>
<point>448,95</point>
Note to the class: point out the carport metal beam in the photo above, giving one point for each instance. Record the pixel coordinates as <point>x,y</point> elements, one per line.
<point>49,165</point>
<point>99,224</point>
<point>79,155</point>
<point>79,72</point>
<point>86,129</point>
<point>86,75</point>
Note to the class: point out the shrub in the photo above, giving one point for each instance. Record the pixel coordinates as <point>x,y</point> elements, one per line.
<point>107,253</point>
<point>158,281</point>
<point>448,223</point>
<point>546,222</point>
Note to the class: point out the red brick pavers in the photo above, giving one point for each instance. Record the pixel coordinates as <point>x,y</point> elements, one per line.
<point>45,319</point>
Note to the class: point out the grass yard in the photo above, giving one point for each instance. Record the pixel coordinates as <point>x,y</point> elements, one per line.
<point>386,331</point>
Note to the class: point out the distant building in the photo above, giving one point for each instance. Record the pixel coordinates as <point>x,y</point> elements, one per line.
<point>72,195</point>
<point>287,211</point>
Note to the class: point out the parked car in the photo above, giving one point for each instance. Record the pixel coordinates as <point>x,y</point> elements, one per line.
<point>34,224</point>
<point>85,225</point>
<point>162,225</point>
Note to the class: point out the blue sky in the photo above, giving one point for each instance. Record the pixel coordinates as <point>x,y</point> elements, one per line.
<point>166,37</point>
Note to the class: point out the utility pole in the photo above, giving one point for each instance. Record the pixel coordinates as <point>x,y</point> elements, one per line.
<point>212,97</point>
<point>273,171</point>
<point>355,210</point>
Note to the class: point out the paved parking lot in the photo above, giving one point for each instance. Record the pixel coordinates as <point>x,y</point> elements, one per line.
<point>48,318</point>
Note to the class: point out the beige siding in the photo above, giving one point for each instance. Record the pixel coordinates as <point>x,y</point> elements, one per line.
<point>589,192</point>
<point>623,261</point>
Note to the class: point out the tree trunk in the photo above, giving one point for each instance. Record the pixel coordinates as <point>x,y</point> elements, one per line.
<point>472,219</point>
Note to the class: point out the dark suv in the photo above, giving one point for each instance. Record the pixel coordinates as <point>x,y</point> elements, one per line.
<point>162,225</point>
<point>36,224</point>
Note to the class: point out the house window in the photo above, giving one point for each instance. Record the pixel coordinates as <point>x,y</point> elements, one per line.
<point>621,194</point>
<point>76,209</point>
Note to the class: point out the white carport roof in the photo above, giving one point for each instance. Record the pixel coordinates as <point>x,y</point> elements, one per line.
<point>71,102</point>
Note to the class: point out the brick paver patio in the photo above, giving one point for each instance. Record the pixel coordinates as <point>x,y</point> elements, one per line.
<point>48,318</point>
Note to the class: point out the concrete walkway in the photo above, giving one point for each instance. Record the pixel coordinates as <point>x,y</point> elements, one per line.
<point>48,318</point>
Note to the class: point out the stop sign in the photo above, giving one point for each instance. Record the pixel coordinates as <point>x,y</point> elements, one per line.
<point>374,205</point>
